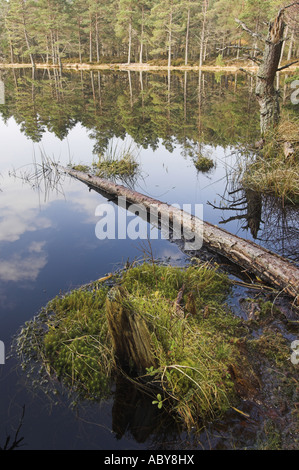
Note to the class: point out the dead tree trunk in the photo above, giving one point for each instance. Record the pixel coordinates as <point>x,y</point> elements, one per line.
<point>253,258</point>
<point>130,336</point>
<point>266,93</point>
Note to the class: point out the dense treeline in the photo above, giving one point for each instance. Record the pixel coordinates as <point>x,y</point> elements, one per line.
<point>176,31</point>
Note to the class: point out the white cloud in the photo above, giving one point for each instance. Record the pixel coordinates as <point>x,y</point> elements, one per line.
<point>22,268</point>
<point>19,214</point>
<point>36,247</point>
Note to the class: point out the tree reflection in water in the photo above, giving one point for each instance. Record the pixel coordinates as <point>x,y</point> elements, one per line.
<point>268,219</point>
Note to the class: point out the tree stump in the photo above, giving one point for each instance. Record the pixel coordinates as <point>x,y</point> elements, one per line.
<point>130,336</point>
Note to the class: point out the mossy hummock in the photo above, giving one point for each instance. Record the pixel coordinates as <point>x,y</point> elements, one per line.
<point>167,327</point>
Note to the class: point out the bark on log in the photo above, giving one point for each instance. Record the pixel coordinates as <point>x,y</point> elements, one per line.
<point>253,258</point>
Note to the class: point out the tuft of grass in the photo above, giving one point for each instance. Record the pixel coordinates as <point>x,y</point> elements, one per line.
<point>114,164</point>
<point>274,171</point>
<point>83,168</point>
<point>276,177</point>
<point>203,164</point>
<point>122,166</point>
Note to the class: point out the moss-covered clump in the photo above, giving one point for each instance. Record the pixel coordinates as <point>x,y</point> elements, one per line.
<point>203,164</point>
<point>199,364</point>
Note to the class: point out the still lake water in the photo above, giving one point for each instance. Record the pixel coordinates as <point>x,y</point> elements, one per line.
<point>48,243</point>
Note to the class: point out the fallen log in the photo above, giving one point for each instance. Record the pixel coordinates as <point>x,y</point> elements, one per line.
<point>268,266</point>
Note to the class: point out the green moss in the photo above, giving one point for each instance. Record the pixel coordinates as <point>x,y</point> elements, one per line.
<point>274,346</point>
<point>204,164</point>
<point>83,168</point>
<point>272,439</point>
<point>77,343</point>
<point>192,342</point>
<point>194,336</point>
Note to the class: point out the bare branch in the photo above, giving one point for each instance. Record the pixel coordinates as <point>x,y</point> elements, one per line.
<point>247,72</point>
<point>288,65</point>
<point>242,48</point>
<point>252,33</point>
<point>290,5</point>
<point>255,59</point>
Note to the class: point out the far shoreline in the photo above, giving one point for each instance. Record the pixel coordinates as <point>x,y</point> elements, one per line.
<point>140,67</point>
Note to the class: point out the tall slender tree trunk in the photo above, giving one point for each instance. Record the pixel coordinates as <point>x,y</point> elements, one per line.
<point>187,37</point>
<point>79,40</point>
<point>47,49</point>
<point>203,31</point>
<point>291,45</point>
<point>12,59</point>
<point>26,35</point>
<point>97,38</point>
<point>11,51</point>
<point>100,92</point>
<point>92,86</point>
<point>129,42</point>
<point>52,47</point>
<point>141,36</point>
<point>28,46</point>
<point>283,45</point>
<point>170,36</point>
<point>90,37</point>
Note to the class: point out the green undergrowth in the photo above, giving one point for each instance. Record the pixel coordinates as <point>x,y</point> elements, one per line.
<point>195,339</point>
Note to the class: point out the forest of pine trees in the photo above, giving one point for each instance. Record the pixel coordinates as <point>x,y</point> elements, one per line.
<point>170,32</point>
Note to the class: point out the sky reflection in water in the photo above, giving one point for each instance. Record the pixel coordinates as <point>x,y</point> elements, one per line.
<point>48,245</point>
